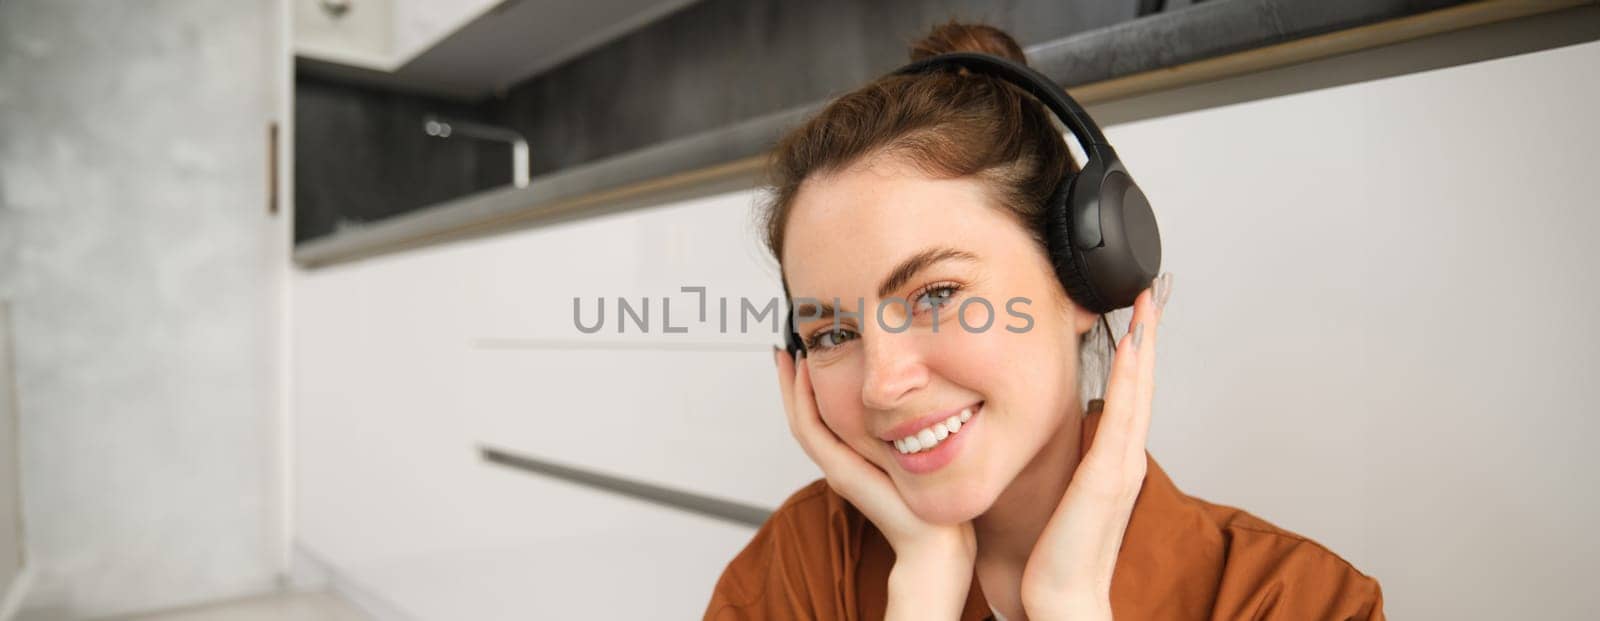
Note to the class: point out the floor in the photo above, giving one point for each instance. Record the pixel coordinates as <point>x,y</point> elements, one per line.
<point>316,606</point>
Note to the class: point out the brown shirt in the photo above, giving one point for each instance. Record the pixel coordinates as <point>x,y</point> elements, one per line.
<point>817,557</point>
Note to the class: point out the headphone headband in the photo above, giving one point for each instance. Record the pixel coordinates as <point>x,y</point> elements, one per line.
<point>1024,77</point>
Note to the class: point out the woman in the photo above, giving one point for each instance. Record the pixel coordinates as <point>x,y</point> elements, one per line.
<point>965,475</point>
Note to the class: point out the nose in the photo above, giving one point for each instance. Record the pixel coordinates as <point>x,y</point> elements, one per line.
<point>894,369</point>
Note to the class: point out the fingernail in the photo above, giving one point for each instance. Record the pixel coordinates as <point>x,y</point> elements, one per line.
<point>1165,291</point>
<point>1138,334</point>
<point>775,355</point>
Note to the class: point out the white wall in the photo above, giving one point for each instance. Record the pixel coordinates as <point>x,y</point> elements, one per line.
<point>1379,338</point>
<point>141,267</point>
<point>1382,326</point>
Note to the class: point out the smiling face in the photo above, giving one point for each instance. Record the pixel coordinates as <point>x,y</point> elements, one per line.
<point>852,232</point>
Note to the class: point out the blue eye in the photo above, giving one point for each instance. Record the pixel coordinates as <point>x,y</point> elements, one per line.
<point>937,295</point>
<point>829,339</point>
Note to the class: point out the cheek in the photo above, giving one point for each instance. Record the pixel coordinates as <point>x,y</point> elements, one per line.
<point>993,359</point>
<point>838,399</point>
<point>838,391</point>
<point>1029,376</point>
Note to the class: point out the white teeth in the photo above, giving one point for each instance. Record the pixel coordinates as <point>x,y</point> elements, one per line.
<point>934,434</point>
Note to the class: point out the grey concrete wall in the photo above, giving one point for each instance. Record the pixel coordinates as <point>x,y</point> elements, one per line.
<point>135,249</point>
<point>11,557</point>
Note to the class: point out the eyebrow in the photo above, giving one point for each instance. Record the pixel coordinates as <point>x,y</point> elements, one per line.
<point>898,277</point>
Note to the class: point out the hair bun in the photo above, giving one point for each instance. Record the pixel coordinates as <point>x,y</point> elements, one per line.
<point>953,36</point>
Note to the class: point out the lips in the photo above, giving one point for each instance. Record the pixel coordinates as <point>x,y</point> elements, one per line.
<point>945,450</point>
<point>911,427</point>
<point>931,437</point>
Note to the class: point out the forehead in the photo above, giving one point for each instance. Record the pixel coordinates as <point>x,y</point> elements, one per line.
<point>846,229</point>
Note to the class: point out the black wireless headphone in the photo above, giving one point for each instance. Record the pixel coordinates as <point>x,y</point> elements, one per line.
<point>1098,226</point>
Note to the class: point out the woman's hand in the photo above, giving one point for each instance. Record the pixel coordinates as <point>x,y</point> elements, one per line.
<point>1068,575</point>
<point>933,562</point>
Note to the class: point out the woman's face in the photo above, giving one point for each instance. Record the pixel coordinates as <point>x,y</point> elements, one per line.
<point>855,236</point>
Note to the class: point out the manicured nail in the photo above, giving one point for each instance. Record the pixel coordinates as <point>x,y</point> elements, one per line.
<point>1163,290</point>
<point>1138,334</point>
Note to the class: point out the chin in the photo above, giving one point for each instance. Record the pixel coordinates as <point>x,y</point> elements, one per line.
<point>949,503</point>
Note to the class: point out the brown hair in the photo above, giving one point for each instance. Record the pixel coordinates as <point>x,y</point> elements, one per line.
<point>944,124</point>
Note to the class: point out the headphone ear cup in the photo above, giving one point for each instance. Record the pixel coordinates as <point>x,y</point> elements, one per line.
<point>1070,267</point>
<point>1129,254</point>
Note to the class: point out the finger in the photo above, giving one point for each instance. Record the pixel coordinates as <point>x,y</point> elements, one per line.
<point>798,408</point>
<point>1111,435</point>
<point>806,416</point>
<point>826,448</point>
<point>786,381</point>
<point>800,411</point>
<point>1160,290</point>
<point>850,474</point>
<point>1144,394</point>
<point>785,366</point>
